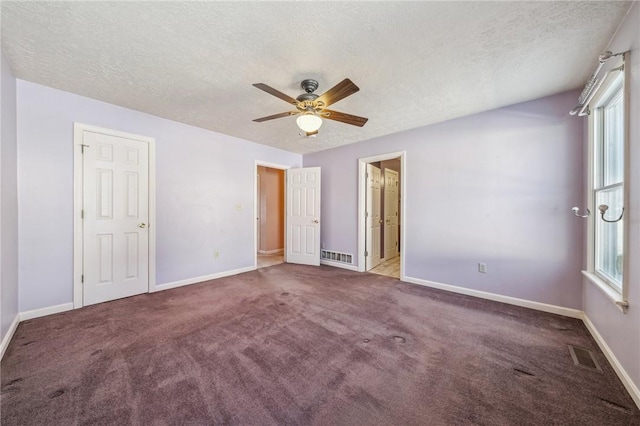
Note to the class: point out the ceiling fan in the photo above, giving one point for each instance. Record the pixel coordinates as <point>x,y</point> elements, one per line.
<point>311,108</point>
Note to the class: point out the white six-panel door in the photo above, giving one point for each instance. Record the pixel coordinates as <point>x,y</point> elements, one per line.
<point>391,214</point>
<point>303,216</point>
<point>374,220</point>
<point>115,217</point>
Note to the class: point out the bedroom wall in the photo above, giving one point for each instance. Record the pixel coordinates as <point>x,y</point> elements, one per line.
<point>495,187</point>
<point>621,331</point>
<point>201,176</point>
<point>8,200</point>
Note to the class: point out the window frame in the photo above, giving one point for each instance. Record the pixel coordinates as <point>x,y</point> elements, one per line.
<point>605,93</point>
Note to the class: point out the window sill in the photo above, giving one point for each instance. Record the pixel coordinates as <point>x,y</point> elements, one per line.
<point>611,294</point>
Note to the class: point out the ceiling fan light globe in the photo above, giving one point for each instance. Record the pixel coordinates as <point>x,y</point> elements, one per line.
<point>309,123</point>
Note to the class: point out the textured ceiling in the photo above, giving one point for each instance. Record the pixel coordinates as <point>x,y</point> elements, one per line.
<point>416,63</point>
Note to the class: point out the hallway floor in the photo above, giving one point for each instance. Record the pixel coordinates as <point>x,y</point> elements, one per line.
<point>390,268</point>
<point>266,260</point>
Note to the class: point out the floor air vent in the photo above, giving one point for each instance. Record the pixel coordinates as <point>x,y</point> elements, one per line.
<point>584,358</point>
<point>335,256</point>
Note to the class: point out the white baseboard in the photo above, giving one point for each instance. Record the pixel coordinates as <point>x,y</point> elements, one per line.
<point>7,337</point>
<point>554,309</point>
<point>50,310</point>
<point>276,251</point>
<point>195,280</point>
<point>619,369</point>
<point>339,265</point>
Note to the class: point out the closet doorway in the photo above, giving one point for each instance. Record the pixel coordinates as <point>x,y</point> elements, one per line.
<point>380,218</point>
<point>270,216</point>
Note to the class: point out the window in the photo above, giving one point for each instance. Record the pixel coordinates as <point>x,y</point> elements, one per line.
<point>608,163</point>
<point>608,185</point>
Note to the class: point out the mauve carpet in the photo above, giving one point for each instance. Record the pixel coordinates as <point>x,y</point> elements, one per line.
<point>296,344</point>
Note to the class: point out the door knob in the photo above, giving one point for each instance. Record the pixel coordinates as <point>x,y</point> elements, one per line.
<point>316,221</point>
<point>142,225</point>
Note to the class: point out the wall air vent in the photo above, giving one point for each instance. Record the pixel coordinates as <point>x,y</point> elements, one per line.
<point>335,256</point>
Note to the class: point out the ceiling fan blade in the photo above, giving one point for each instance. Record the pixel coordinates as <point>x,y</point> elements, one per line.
<point>271,117</point>
<point>344,118</point>
<point>338,92</point>
<point>276,93</point>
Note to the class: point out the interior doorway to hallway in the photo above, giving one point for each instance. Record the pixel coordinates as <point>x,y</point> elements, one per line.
<point>270,216</point>
<point>380,215</point>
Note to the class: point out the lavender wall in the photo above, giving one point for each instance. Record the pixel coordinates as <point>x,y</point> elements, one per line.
<point>8,200</point>
<point>201,177</point>
<point>495,187</point>
<point>622,331</point>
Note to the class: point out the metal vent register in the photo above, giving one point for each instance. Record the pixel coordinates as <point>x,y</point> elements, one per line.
<point>336,256</point>
<point>584,358</point>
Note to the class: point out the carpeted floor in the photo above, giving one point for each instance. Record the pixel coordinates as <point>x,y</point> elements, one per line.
<point>306,345</point>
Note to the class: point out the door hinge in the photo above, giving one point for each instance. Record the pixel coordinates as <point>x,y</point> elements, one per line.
<point>82,214</point>
<point>82,278</point>
<point>366,253</point>
<point>366,214</point>
<point>396,213</point>
<point>82,148</point>
<point>366,175</point>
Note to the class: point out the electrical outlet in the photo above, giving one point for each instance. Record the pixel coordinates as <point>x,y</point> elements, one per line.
<point>238,206</point>
<point>323,246</point>
<point>482,267</point>
<point>216,254</point>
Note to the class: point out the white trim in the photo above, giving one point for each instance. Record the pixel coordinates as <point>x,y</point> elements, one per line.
<point>270,165</point>
<point>339,265</point>
<point>42,312</point>
<point>386,200</point>
<point>7,337</point>
<point>607,290</point>
<point>78,129</point>
<point>362,191</point>
<point>617,367</point>
<point>203,278</point>
<point>539,306</point>
<point>152,214</point>
<point>257,163</point>
<point>598,94</point>
<point>77,219</point>
<point>269,252</point>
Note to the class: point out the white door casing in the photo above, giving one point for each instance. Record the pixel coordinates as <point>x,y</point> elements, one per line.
<point>362,205</point>
<point>391,214</point>
<point>373,217</point>
<point>256,206</point>
<point>116,215</point>
<point>303,216</point>
<point>259,215</point>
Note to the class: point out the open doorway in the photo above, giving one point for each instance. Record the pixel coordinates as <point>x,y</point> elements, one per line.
<point>270,216</point>
<point>380,215</point>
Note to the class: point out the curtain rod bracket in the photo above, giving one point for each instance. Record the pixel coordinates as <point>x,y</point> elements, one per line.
<point>585,95</point>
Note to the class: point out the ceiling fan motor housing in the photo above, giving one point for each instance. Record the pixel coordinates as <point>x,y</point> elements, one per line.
<point>309,85</point>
